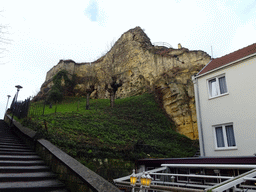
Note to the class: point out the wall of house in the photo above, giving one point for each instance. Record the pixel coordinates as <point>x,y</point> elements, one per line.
<point>237,107</point>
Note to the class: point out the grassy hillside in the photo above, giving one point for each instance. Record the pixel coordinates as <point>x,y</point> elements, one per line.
<point>135,128</point>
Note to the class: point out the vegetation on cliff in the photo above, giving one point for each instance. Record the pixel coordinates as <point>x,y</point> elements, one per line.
<point>136,128</point>
<point>62,85</point>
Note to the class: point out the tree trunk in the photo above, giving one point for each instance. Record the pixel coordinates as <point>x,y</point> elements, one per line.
<point>112,99</point>
<point>87,101</point>
<point>44,106</point>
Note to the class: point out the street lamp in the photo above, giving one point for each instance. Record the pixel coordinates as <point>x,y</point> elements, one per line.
<point>133,180</point>
<point>18,89</point>
<point>16,98</point>
<point>145,180</point>
<point>172,179</point>
<point>148,180</point>
<point>7,102</point>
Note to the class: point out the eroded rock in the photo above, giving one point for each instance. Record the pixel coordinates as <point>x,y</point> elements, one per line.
<point>143,67</point>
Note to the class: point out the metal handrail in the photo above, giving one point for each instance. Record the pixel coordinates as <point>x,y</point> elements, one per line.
<point>164,44</point>
<point>229,181</point>
<point>232,182</point>
<point>192,175</point>
<point>211,166</point>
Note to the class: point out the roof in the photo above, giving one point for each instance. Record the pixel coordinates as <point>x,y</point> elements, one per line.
<point>231,57</point>
<point>199,160</point>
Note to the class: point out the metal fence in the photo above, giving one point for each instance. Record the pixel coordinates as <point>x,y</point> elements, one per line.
<point>20,108</point>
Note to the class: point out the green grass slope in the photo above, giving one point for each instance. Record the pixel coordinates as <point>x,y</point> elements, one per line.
<point>135,128</point>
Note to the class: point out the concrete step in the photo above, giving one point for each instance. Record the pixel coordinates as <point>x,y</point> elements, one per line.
<point>6,137</point>
<point>12,141</point>
<point>197,154</point>
<point>7,177</point>
<point>4,143</point>
<point>20,157</point>
<point>16,150</point>
<point>60,190</point>
<point>13,147</point>
<point>38,186</point>
<point>21,163</point>
<point>23,169</point>
<point>17,153</point>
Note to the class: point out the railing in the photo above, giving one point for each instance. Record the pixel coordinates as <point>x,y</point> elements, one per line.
<point>198,177</point>
<point>20,108</point>
<point>76,176</point>
<point>237,181</point>
<point>162,44</point>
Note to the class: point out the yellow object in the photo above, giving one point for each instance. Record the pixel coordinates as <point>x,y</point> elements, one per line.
<point>133,180</point>
<point>148,182</point>
<point>143,181</point>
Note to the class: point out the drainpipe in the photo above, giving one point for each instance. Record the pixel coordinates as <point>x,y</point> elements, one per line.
<point>199,116</point>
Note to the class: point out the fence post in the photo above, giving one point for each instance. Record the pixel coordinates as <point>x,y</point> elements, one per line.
<point>55,107</point>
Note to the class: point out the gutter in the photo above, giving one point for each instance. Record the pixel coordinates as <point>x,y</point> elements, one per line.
<point>199,116</point>
<point>205,66</point>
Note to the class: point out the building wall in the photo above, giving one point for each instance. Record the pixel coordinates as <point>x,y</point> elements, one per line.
<point>237,107</point>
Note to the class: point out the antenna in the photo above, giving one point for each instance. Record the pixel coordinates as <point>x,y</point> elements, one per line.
<point>212,51</point>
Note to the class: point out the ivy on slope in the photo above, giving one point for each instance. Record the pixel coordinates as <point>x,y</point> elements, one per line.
<point>136,128</point>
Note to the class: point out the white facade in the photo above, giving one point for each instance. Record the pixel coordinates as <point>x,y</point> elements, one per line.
<point>218,114</point>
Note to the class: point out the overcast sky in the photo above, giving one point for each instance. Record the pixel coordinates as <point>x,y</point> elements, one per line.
<point>42,32</point>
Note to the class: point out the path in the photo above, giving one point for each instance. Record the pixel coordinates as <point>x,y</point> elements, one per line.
<point>21,169</point>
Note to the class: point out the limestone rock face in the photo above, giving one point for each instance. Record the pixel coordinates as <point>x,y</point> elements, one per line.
<point>142,67</point>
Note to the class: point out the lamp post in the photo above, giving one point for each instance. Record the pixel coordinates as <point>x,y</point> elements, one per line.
<point>7,102</point>
<point>145,181</point>
<point>18,89</point>
<point>148,180</point>
<point>15,98</point>
<point>133,180</point>
<point>172,179</point>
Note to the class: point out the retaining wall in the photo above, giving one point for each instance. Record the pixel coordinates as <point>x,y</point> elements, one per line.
<point>76,176</point>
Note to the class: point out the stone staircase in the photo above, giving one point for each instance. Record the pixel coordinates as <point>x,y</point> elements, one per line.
<point>197,154</point>
<point>21,169</point>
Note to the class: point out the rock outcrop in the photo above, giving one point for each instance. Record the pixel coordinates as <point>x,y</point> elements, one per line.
<point>143,67</point>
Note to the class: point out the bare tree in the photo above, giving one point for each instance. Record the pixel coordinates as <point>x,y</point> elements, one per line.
<point>3,39</point>
<point>113,88</point>
<point>108,47</point>
<point>112,80</point>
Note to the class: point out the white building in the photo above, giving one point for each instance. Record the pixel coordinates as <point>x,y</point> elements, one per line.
<point>225,94</point>
<point>225,91</point>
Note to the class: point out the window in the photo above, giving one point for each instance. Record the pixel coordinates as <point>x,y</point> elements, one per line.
<point>217,86</point>
<point>224,135</point>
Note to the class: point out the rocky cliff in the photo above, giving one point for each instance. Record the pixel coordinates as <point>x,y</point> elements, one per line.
<point>142,67</point>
